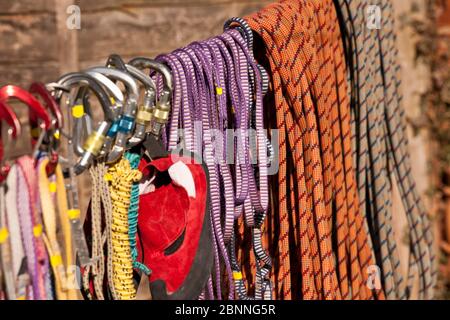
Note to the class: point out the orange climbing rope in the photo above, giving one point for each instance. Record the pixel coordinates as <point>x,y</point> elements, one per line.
<point>316,184</point>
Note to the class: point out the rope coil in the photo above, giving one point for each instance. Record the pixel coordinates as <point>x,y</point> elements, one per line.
<point>122,177</point>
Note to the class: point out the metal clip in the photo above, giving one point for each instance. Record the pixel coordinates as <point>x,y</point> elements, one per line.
<point>126,123</point>
<point>144,114</point>
<point>162,111</point>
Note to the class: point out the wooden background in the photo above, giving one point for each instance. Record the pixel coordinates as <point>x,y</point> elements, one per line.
<point>36,45</point>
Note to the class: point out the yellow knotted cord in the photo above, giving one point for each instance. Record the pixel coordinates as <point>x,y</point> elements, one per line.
<point>106,237</point>
<point>121,178</point>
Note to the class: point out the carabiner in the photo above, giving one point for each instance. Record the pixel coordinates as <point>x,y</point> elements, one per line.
<point>145,111</point>
<point>9,92</point>
<point>7,114</point>
<point>94,143</point>
<point>116,98</point>
<point>52,139</point>
<point>126,123</point>
<point>162,109</point>
<point>40,90</point>
<point>117,105</point>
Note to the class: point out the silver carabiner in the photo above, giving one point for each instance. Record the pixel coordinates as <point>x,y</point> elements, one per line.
<point>162,109</point>
<point>115,92</point>
<point>64,86</point>
<point>116,99</point>
<point>94,143</point>
<point>125,125</point>
<point>145,111</point>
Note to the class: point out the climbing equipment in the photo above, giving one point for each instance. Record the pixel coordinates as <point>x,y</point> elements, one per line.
<point>380,140</point>
<point>315,171</point>
<point>257,164</point>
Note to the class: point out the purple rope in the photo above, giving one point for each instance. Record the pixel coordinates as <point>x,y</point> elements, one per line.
<point>221,63</point>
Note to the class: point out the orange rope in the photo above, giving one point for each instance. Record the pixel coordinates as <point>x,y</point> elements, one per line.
<point>315,180</point>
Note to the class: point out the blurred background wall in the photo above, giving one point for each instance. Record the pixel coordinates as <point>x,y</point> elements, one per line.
<point>37,45</point>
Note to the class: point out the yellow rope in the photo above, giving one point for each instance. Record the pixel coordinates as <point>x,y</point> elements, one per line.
<point>121,178</point>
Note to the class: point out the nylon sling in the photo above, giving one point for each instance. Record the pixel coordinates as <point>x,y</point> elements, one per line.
<point>32,228</point>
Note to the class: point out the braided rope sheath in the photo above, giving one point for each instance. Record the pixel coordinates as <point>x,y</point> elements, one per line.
<point>107,207</point>
<point>97,269</point>
<point>260,22</point>
<point>370,153</point>
<point>380,145</point>
<point>133,210</point>
<point>396,119</point>
<point>255,206</point>
<point>306,57</point>
<point>121,177</point>
<point>221,87</point>
<point>209,74</point>
<point>101,211</point>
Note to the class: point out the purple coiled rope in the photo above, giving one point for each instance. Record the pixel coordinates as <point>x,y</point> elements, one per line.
<point>217,84</point>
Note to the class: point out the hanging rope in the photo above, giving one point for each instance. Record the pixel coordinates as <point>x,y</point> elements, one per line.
<point>380,140</point>
<point>302,46</point>
<point>121,177</point>
<point>134,160</point>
